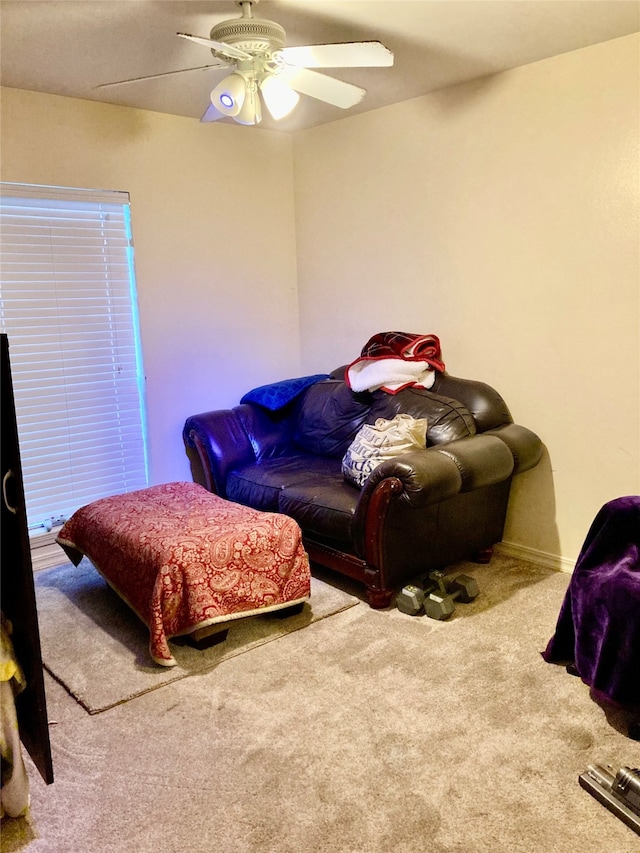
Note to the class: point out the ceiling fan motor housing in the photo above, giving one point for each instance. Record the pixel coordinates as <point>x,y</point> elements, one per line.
<point>254,35</point>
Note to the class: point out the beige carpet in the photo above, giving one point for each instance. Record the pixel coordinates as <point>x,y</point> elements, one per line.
<point>95,646</point>
<point>368,732</point>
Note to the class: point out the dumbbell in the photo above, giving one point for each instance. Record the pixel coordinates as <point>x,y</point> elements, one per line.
<point>431,592</point>
<point>411,598</point>
<point>440,603</point>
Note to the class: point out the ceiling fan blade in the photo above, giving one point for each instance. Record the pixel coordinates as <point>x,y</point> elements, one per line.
<point>219,46</point>
<point>355,54</point>
<point>164,74</point>
<point>212,114</point>
<point>328,89</point>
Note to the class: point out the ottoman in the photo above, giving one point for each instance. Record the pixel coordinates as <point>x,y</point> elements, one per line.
<point>185,559</point>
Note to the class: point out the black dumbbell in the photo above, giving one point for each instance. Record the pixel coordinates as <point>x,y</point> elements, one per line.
<point>411,598</point>
<point>440,603</point>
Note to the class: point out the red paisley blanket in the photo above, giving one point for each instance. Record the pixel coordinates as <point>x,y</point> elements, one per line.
<point>183,558</point>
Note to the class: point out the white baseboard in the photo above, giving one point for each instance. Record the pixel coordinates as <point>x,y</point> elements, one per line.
<point>48,556</point>
<point>51,554</point>
<point>541,558</point>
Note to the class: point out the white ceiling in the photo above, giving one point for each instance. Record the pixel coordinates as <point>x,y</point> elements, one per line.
<point>68,47</point>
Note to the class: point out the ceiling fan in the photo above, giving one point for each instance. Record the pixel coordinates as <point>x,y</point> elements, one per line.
<point>264,69</point>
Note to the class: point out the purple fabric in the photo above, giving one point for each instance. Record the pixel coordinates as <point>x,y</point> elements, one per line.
<point>598,626</point>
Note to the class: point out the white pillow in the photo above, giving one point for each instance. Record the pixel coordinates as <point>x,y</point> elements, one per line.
<point>385,439</point>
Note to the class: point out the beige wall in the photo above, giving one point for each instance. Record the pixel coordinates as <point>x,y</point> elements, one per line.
<point>213,227</point>
<point>502,216</point>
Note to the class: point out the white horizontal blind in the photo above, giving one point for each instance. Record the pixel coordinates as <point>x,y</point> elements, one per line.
<point>68,305</point>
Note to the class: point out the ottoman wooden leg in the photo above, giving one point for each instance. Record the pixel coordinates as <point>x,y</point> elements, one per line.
<point>204,638</point>
<point>288,611</point>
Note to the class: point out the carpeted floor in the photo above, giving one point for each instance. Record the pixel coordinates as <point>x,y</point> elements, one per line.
<point>367,732</point>
<point>78,610</point>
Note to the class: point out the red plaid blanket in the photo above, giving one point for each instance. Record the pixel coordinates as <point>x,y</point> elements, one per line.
<point>405,345</point>
<point>396,360</point>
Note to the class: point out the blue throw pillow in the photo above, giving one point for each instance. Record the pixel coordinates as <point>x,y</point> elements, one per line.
<point>279,394</point>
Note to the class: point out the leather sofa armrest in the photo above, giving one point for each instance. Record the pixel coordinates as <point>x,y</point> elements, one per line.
<point>430,476</point>
<point>220,444</point>
<point>525,446</point>
<point>415,480</point>
<point>426,477</point>
<point>440,472</point>
<point>482,460</point>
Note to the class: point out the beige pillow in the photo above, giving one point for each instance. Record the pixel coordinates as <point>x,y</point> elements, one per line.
<point>385,439</point>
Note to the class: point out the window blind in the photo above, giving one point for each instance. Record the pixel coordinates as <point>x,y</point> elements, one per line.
<point>68,305</point>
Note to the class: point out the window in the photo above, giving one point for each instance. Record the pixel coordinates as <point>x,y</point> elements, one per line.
<point>68,305</point>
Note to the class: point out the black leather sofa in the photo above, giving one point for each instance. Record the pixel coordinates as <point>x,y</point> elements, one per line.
<point>417,512</point>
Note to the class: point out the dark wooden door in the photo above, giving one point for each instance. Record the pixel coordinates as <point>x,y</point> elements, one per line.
<point>18,598</point>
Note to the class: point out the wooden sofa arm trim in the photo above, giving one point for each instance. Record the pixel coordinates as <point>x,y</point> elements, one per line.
<point>374,524</point>
<point>353,567</point>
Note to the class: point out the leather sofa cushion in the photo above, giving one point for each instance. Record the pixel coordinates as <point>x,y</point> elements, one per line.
<point>310,489</point>
<point>324,508</point>
<point>447,419</point>
<point>329,417</point>
<point>260,484</point>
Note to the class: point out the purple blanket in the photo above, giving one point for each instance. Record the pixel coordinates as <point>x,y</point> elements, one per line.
<point>598,626</point>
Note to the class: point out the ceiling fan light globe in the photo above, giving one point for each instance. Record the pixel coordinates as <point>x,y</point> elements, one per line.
<point>279,98</point>
<point>251,112</point>
<point>230,94</point>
